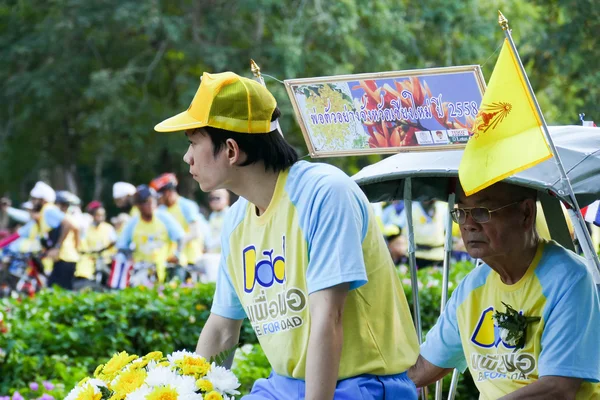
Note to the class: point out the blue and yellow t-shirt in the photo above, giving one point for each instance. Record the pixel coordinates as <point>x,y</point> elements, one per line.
<point>186,212</point>
<point>556,287</point>
<point>318,231</point>
<point>151,240</point>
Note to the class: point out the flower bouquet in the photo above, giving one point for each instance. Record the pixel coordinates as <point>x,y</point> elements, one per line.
<point>513,326</point>
<point>181,375</point>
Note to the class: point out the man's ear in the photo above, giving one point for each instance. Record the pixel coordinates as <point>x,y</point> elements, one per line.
<point>234,154</point>
<point>529,213</point>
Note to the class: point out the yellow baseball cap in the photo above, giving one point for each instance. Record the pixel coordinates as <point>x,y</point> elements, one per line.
<point>226,101</point>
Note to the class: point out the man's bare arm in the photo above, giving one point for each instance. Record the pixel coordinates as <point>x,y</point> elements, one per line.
<point>424,373</point>
<point>219,334</point>
<point>325,341</point>
<point>548,388</point>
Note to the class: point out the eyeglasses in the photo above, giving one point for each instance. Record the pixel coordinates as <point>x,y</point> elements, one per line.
<point>481,215</point>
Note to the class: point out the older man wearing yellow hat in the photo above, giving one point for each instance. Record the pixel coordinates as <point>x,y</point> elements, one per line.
<point>302,256</point>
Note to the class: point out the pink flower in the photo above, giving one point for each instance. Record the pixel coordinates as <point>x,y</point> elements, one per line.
<point>34,386</point>
<point>46,396</point>
<point>48,385</point>
<point>4,397</point>
<point>17,396</point>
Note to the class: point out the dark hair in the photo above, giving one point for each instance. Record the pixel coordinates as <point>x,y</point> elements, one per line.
<point>270,148</point>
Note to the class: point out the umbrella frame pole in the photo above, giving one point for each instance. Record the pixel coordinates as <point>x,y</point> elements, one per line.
<point>453,385</point>
<point>413,261</point>
<point>446,275</point>
<point>411,256</point>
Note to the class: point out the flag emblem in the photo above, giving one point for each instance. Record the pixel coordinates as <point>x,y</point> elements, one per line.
<point>490,116</point>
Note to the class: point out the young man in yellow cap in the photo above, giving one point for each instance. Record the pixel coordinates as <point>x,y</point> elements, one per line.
<point>302,256</point>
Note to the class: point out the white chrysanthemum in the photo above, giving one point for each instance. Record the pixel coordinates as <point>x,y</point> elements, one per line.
<point>74,393</point>
<point>186,385</point>
<point>96,382</point>
<point>223,380</point>
<point>178,355</point>
<point>140,393</point>
<point>161,376</point>
<point>513,341</point>
<point>152,364</point>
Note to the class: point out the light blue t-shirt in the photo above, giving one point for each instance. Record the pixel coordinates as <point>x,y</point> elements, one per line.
<point>556,287</point>
<point>318,231</point>
<point>52,216</point>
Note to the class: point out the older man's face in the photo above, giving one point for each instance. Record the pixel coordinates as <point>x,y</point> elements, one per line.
<point>503,231</point>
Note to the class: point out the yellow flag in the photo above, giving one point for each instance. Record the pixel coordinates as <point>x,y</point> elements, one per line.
<point>507,134</point>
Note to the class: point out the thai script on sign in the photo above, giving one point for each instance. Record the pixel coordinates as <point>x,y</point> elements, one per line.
<point>397,112</point>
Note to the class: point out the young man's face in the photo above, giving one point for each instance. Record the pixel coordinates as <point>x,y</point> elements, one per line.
<point>207,169</point>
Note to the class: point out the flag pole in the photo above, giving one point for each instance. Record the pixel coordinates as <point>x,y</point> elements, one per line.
<point>581,230</point>
<point>256,72</point>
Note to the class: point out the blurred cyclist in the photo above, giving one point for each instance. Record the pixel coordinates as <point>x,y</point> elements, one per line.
<point>150,235</point>
<point>186,212</point>
<point>58,233</point>
<point>123,193</point>
<point>100,237</point>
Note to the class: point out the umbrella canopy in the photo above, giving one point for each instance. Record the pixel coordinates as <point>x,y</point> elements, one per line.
<point>578,147</point>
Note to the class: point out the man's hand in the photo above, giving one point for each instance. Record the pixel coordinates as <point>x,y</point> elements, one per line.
<point>424,373</point>
<point>219,334</point>
<point>325,341</point>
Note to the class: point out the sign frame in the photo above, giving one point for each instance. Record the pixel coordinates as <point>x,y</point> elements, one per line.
<point>316,153</point>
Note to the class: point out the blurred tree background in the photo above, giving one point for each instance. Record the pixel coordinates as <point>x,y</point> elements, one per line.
<point>84,82</point>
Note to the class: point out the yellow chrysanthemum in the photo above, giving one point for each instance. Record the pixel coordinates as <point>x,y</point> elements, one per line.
<point>89,394</point>
<point>163,393</point>
<point>155,355</point>
<point>139,364</point>
<point>204,385</point>
<point>116,364</point>
<point>200,307</point>
<point>213,396</point>
<point>197,366</point>
<point>98,370</point>
<point>127,382</point>
<point>163,364</point>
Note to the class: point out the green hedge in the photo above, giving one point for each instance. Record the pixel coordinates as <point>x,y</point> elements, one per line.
<point>62,336</point>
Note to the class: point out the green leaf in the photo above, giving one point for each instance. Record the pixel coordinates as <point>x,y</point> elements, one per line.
<point>220,358</point>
